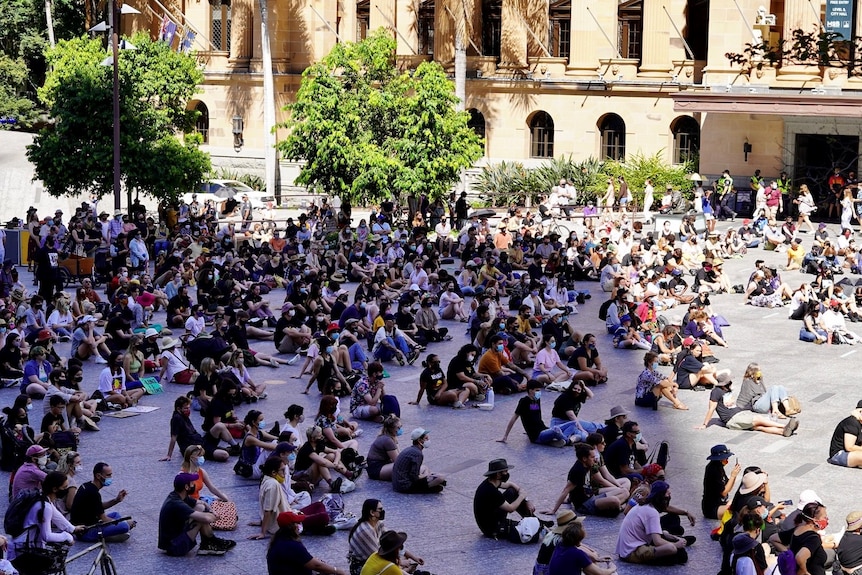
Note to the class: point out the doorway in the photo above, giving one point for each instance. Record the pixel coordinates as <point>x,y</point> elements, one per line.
<point>817,154</point>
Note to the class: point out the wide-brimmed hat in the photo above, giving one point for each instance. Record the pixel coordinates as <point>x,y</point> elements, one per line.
<point>719,452</point>
<point>337,278</point>
<point>751,482</point>
<point>150,332</point>
<point>616,411</point>
<point>743,543</point>
<point>723,380</point>
<point>854,520</point>
<point>390,541</point>
<point>167,343</point>
<point>18,294</point>
<point>496,466</point>
<point>564,517</point>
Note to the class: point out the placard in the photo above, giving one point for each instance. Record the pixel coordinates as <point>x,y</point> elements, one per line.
<point>839,17</point>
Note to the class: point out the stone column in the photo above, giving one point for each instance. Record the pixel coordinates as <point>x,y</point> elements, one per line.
<point>242,23</point>
<point>382,15</point>
<point>799,15</point>
<point>588,44</point>
<point>655,52</point>
<point>513,41</point>
<point>444,32</point>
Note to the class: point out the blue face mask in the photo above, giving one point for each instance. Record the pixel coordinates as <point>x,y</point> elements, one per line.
<point>108,481</point>
<point>334,336</point>
<point>291,457</point>
<point>764,513</point>
<point>552,344</point>
<point>654,366</point>
<point>538,395</point>
<point>500,347</point>
<point>262,425</point>
<point>201,460</point>
<point>400,432</point>
<point>330,348</point>
<point>638,437</point>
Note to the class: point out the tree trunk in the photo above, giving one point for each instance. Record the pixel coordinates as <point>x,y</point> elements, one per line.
<point>269,151</point>
<point>50,21</point>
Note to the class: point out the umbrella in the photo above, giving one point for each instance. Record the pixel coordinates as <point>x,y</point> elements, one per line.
<point>695,177</point>
<point>483,213</point>
<point>225,192</point>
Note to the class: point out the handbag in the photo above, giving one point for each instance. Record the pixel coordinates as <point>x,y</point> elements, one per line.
<point>243,469</point>
<point>226,515</point>
<point>793,406</point>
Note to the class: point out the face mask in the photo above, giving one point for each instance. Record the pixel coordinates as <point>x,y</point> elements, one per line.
<point>291,457</point>
<point>334,336</point>
<point>279,477</point>
<point>382,515</point>
<point>201,460</point>
<point>638,437</point>
<point>552,344</point>
<point>538,395</point>
<point>500,347</point>
<point>42,461</point>
<point>399,432</point>
<point>505,477</point>
<point>330,348</point>
<point>502,326</point>
<point>471,358</point>
<point>592,346</point>
<point>62,493</point>
<point>534,293</point>
<point>29,407</point>
<point>654,366</point>
<point>427,441</point>
<point>192,488</point>
<point>291,313</point>
<point>765,513</point>
<point>822,524</point>
<point>108,481</point>
<point>262,424</point>
<point>320,318</point>
<point>79,468</point>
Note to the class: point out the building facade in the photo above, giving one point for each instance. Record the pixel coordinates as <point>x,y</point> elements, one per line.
<point>547,78</point>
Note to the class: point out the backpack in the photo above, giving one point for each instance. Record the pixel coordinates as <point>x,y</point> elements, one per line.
<point>661,454</point>
<point>13,522</point>
<point>603,309</point>
<point>787,562</point>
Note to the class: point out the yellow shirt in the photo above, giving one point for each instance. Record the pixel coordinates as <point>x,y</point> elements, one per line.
<point>377,565</point>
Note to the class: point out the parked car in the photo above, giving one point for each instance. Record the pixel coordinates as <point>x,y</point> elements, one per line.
<point>221,190</point>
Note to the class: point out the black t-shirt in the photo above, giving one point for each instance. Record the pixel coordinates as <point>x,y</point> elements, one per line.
<point>619,454</point>
<point>579,476</point>
<point>237,336</point>
<point>12,356</point>
<point>850,426</point>
<point>714,480</point>
<point>87,508</point>
<point>486,508</point>
<point>114,326</point>
<point>185,432</point>
<point>530,412</point>
<point>433,380</point>
<point>816,563</point>
<point>456,366</point>
<point>688,365</point>
<point>611,432</point>
<point>172,518</point>
<point>303,456</point>
<point>849,550</point>
<point>589,354</point>
<point>287,556</point>
<point>220,408</point>
<point>206,384</point>
<point>565,402</point>
<point>178,302</point>
<point>724,413</point>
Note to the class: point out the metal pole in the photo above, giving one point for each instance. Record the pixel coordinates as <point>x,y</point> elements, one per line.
<point>605,34</point>
<point>115,50</point>
<point>675,27</point>
<point>326,23</point>
<point>394,27</point>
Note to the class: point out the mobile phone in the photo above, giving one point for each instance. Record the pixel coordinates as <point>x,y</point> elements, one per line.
<point>786,502</point>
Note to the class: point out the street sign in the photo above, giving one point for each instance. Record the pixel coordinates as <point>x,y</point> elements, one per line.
<point>839,17</point>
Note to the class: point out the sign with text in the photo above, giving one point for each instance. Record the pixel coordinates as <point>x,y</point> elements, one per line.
<point>839,17</point>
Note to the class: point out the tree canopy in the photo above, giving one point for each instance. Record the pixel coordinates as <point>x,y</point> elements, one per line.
<point>819,47</point>
<point>368,131</point>
<point>75,155</point>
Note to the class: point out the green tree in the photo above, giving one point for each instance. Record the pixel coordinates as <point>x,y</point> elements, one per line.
<point>13,104</point>
<point>75,155</point>
<point>368,131</point>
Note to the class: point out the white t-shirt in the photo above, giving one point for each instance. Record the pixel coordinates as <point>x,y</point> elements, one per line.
<point>111,382</point>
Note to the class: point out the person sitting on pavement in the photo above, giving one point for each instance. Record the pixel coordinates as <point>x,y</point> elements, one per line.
<point>716,483</point>
<point>89,509</point>
<point>739,419</point>
<point>579,488</point>
<point>391,343</point>
<point>567,409</point>
<point>548,367</point>
<point>30,475</point>
<point>643,541</point>
<point>652,386</point>
<point>754,394</point>
<point>384,450</point>
<point>491,507</point>
<point>287,554</point>
<point>182,517</point>
<point>571,554</point>
<point>506,377</point>
<point>805,540</point>
<point>409,474</point>
<point>529,410</point>
<point>627,337</point>
<point>314,460</point>
<point>621,455</point>
<point>845,449</point>
<point>691,372</point>
<point>461,375</point>
<point>849,551</point>
<point>433,383</point>
<point>367,394</point>
<point>587,363</point>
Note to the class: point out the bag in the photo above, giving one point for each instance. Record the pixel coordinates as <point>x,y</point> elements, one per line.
<point>16,514</point>
<point>226,515</point>
<point>334,504</point>
<point>243,469</point>
<point>34,559</point>
<point>603,309</point>
<point>793,406</point>
<point>786,562</point>
<point>389,405</point>
<point>660,454</point>
<point>185,377</point>
<point>528,529</point>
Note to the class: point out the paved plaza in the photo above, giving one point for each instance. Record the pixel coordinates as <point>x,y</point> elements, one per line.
<point>441,527</point>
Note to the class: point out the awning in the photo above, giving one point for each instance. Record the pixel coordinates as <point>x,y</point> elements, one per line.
<point>773,102</point>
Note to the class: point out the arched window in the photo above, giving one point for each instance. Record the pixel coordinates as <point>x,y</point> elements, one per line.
<point>477,124</point>
<point>686,139</point>
<point>202,125</point>
<point>541,135</point>
<point>613,131</point>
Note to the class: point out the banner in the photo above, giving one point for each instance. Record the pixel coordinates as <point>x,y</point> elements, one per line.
<point>839,17</point>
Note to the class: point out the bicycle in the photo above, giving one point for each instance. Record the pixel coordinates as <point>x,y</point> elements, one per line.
<point>103,561</point>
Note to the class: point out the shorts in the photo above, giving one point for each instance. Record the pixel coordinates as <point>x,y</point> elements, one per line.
<point>643,554</point>
<point>374,468</point>
<point>537,374</point>
<point>840,458</point>
<point>742,421</point>
<point>588,507</point>
<point>180,545</point>
<point>363,412</point>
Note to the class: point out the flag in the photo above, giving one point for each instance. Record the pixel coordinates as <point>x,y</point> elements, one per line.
<point>170,31</point>
<point>188,40</point>
<point>163,27</point>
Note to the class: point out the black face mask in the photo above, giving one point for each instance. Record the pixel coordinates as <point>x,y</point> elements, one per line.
<point>192,488</point>
<point>62,493</point>
<point>505,477</point>
<point>382,515</point>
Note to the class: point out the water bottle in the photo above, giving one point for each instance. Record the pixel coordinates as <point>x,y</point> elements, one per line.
<point>489,397</point>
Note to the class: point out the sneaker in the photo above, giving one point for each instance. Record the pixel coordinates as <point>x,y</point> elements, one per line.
<point>100,359</point>
<point>458,405</point>
<point>234,449</point>
<point>791,426</point>
<point>347,486</point>
<point>88,424</point>
<point>263,395</point>
<point>335,486</point>
<point>400,360</point>
<point>480,397</point>
<point>293,359</point>
<point>357,433</point>
<point>414,355</point>
<point>558,443</point>
<point>64,338</point>
<point>211,548</point>
<point>223,543</point>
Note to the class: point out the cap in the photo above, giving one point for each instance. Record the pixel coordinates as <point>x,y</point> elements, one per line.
<point>723,379</point>
<point>719,452</point>
<point>390,541</point>
<point>755,502</point>
<point>751,482</point>
<point>746,222</point>
<point>332,327</point>
<point>625,318</point>
<point>284,447</point>
<point>36,451</point>
<point>351,321</point>
<point>286,518</point>
<point>118,213</point>
<point>184,479</point>
<point>657,490</point>
<point>859,404</point>
<point>286,307</point>
<point>496,466</point>
<point>555,312</point>
<point>86,319</point>
<point>388,317</point>
<point>806,497</point>
<point>44,335</point>
<point>688,341</point>
<point>418,433</point>
<point>564,517</point>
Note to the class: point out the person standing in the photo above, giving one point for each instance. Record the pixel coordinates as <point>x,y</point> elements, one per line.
<point>461,208</point>
<point>245,212</point>
<point>491,507</point>
<point>649,198</point>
